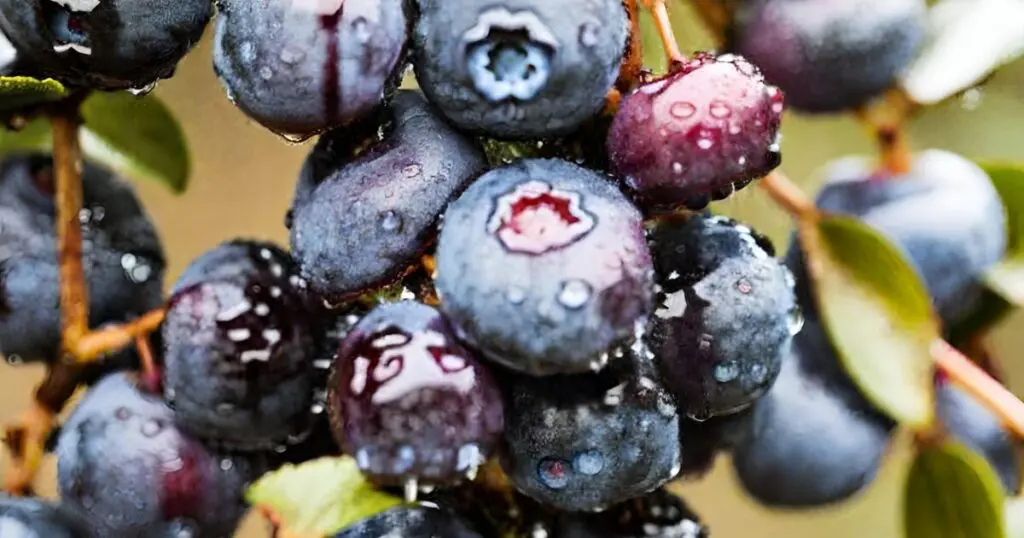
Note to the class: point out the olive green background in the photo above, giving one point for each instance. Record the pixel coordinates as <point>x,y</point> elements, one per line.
<point>242,185</point>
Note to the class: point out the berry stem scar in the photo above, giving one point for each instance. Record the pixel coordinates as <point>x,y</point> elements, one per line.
<point>659,10</point>
<point>980,385</point>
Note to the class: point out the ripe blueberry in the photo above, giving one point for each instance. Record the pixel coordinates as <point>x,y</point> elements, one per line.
<point>239,340</point>
<point>411,521</point>
<point>34,518</point>
<point>829,55</point>
<point>522,68</point>
<point>411,403</point>
<point>300,67</point>
<point>726,317</point>
<point>123,462</point>
<point>976,427</point>
<point>122,255</point>
<point>697,134</point>
<point>659,514</point>
<point>109,44</point>
<point>361,216</point>
<point>588,441</point>
<point>543,265</point>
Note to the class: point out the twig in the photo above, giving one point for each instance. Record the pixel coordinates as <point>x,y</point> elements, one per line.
<point>96,344</point>
<point>663,22</point>
<point>67,157</point>
<point>150,374</point>
<point>886,119</point>
<point>633,60</point>
<point>788,194</point>
<point>979,384</point>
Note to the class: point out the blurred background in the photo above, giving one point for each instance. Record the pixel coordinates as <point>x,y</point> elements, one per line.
<point>242,184</point>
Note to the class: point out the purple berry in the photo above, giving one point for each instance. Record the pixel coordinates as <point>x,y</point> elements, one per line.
<point>239,340</point>
<point>409,402</point>
<point>659,514</point>
<point>34,518</point>
<point>697,134</point>
<point>420,521</point>
<point>543,266</point>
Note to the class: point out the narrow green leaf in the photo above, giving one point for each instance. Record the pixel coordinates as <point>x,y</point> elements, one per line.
<point>877,313</point>
<point>968,40</point>
<point>1007,277</point>
<point>137,136</point>
<point>952,492</point>
<point>18,92</point>
<point>319,497</point>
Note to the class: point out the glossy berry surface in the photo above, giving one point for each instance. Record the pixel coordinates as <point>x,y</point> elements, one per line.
<point>239,340</point>
<point>543,265</point>
<point>413,522</point>
<point>121,254</point>
<point>659,514</point>
<point>300,67</point>
<point>977,428</point>
<point>697,134</point>
<point>726,315</point>
<point>109,44</point>
<point>123,462</point>
<point>522,68</point>
<point>34,518</point>
<point>829,55</point>
<point>360,220</point>
<point>585,442</point>
<point>408,401</point>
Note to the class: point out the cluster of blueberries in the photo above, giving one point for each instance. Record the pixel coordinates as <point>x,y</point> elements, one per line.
<point>495,267</point>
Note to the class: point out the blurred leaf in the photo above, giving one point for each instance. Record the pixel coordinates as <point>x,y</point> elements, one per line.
<point>952,492</point>
<point>17,92</point>
<point>968,40</point>
<point>137,136</point>
<point>319,497</point>
<point>1014,510</point>
<point>991,309</point>
<point>35,136</point>
<point>877,313</point>
<point>1007,277</point>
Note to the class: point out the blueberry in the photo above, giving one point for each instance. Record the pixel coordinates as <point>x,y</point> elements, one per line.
<point>109,44</point>
<point>812,440</point>
<point>411,403</point>
<point>588,441</point>
<point>726,317</point>
<point>121,254</point>
<point>697,134</point>
<point>34,518</point>
<point>521,68</point>
<point>123,462</point>
<point>976,427</point>
<point>543,265</point>
<point>299,68</point>
<point>420,521</point>
<point>945,215</point>
<point>829,55</point>
<point>362,215</point>
<point>659,514</point>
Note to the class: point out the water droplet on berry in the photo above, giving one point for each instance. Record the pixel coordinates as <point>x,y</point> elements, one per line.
<point>151,428</point>
<point>225,408</point>
<point>744,286</point>
<point>574,294</point>
<point>412,490</point>
<point>143,90</point>
<point>469,457</point>
<point>516,295</point>
<point>795,322</point>
<point>553,473</point>
<point>247,52</point>
<point>390,221</point>
<point>589,34</point>
<point>122,413</point>
<point>682,110</point>
<point>15,360</point>
<point>292,55</point>
<point>361,29</point>
<point>971,99</point>
<point>226,464</point>
<point>720,109</point>
<point>725,372</point>
<point>412,170</point>
<point>705,143</point>
<point>266,73</point>
<point>589,463</point>
<point>677,168</point>
<point>758,373</point>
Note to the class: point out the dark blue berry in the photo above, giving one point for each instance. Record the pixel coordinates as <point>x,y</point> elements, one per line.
<point>659,514</point>
<point>520,69</point>
<point>34,518</point>
<point>123,462</point>
<point>726,316</point>
<point>121,254</point>
<point>362,215</point>
<point>301,67</point>
<point>108,44</point>
<point>543,265</point>
<point>420,521</point>
<point>829,55</point>
<point>588,441</point>
<point>411,403</point>
<point>697,134</point>
<point>239,342</point>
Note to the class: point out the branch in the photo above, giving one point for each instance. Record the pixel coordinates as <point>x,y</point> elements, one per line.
<point>979,384</point>
<point>788,195</point>
<point>96,344</point>
<point>67,157</point>
<point>663,22</point>
<point>887,120</point>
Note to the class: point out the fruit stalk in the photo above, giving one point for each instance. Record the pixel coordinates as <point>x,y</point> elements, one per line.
<point>95,344</point>
<point>67,156</point>
<point>989,392</point>
<point>659,10</point>
<point>887,122</point>
<point>788,195</point>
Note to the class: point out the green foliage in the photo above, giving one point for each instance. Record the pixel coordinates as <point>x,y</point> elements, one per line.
<point>952,492</point>
<point>1007,278</point>
<point>19,92</point>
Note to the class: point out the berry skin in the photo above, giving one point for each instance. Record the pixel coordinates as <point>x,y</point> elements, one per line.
<point>697,134</point>
<point>543,266</point>
<point>299,68</point>
<point>976,427</point>
<point>34,518</point>
<point>409,402</point>
<point>421,521</point>
<point>361,219</point>
<point>659,514</point>
<point>727,314</point>
<point>107,45</point>
<point>519,68</point>
<point>586,442</point>
<point>122,255</point>
<point>123,462</point>
<point>945,215</point>
<point>239,340</point>
<point>829,55</point>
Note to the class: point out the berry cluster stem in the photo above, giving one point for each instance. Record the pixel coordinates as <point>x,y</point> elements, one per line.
<point>67,156</point>
<point>989,392</point>
<point>663,22</point>
<point>788,195</point>
<point>887,120</point>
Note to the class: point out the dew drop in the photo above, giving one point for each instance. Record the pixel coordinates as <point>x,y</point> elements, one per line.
<point>720,109</point>
<point>412,490</point>
<point>744,286</point>
<point>150,428</point>
<point>971,99</point>
<point>795,321</point>
<point>226,464</point>
<point>727,371</point>
<point>758,373</point>
<point>247,51</point>
<point>361,30</point>
<point>516,295</point>
<point>390,221</point>
<point>225,408</point>
<point>15,360</point>
<point>575,294</point>
<point>292,55</point>
<point>589,34</point>
<point>705,143</point>
<point>682,110</point>
<point>412,170</point>
<point>552,473</point>
<point>143,90</point>
<point>677,168</point>
<point>266,73</point>
<point>122,413</point>
<point>589,463</point>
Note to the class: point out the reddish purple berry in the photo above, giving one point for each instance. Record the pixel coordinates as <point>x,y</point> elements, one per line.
<point>697,134</point>
<point>409,402</point>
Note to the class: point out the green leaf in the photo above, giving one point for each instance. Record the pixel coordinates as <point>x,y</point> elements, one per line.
<point>1014,510</point>
<point>877,313</point>
<point>968,40</point>
<point>1007,277</point>
<point>18,92</point>
<point>952,492</point>
<point>137,136</point>
<point>319,497</point>
<point>35,136</point>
